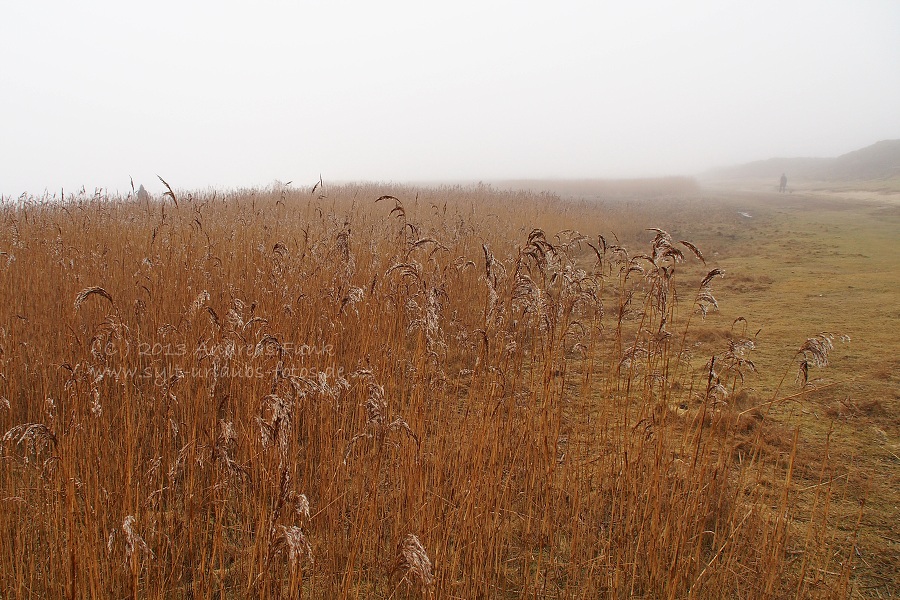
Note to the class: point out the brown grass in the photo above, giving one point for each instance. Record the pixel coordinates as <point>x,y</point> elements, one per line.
<point>449,393</point>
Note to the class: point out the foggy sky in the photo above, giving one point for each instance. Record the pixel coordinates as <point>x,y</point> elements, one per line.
<point>229,94</point>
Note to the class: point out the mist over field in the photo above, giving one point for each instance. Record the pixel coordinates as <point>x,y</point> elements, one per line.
<point>481,300</point>
<point>220,95</point>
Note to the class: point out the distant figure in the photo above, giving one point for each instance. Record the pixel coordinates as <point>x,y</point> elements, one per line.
<point>142,194</point>
<point>783,186</point>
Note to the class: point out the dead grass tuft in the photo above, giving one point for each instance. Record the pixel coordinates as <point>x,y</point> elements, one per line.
<point>291,382</point>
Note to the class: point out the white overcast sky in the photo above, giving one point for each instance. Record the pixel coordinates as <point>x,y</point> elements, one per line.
<point>230,94</point>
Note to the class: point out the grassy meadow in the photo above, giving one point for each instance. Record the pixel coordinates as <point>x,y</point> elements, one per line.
<point>371,391</point>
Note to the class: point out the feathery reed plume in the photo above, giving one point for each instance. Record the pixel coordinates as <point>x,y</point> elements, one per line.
<point>662,248</point>
<point>224,447</point>
<point>735,358</point>
<point>377,425</point>
<point>297,544</point>
<point>412,562</point>
<point>353,297</point>
<point>301,506</point>
<point>169,193</point>
<point>319,184</point>
<point>35,436</point>
<point>694,250</point>
<point>199,303</point>
<point>814,351</point>
<point>705,299</point>
<point>266,343</point>
<point>133,541</point>
<point>273,430</point>
<point>398,207</point>
<point>88,292</point>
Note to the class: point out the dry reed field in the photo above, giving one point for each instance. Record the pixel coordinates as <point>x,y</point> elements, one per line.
<point>387,392</point>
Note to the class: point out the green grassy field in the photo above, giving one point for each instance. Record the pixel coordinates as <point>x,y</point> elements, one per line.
<point>799,264</point>
<point>834,266</point>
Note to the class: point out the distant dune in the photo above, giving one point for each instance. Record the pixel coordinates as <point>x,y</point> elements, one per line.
<point>879,161</point>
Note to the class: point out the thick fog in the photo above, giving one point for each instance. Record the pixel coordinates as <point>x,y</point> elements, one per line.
<point>232,94</point>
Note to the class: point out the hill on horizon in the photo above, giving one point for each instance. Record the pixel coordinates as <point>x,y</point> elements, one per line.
<point>878,161</point>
